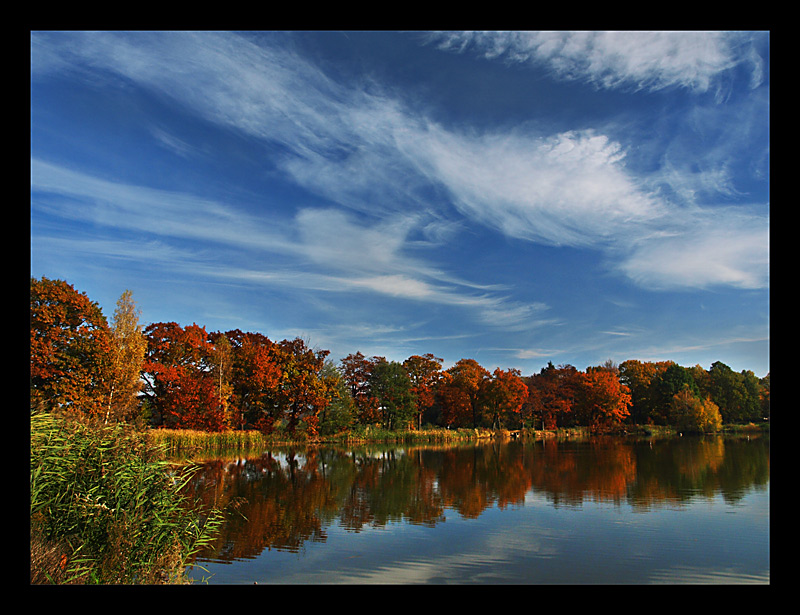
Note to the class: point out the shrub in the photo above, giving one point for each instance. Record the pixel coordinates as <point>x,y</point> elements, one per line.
<point>692,415</point>
<point>104,509</point>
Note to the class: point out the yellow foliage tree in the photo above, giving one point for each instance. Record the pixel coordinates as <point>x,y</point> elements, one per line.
<point>128,346</point>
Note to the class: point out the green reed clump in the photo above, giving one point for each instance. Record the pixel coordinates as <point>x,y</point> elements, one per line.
<point>105,509</point>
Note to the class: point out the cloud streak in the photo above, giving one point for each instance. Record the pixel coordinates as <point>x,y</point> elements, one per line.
<point>364,150</point>
<point>633,60</point>
<point>347,256</point>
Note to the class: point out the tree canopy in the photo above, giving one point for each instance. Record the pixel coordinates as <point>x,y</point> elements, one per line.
<point>185,377</point>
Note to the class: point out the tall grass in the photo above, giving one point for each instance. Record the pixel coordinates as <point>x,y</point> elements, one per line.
<point>105,509</point>
<point>177,443</point>
<point>183,443</point>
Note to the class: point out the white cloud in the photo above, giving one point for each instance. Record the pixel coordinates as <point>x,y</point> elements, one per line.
<point>331,238</point>
<point>345,256</point>
<point>568,189</point>
<point>365,151</point>
<point>637,59</point>
<point>715,247</point>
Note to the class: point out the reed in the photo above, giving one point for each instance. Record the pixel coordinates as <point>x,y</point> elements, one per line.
<point>189,443</point>
<point>105,509</point>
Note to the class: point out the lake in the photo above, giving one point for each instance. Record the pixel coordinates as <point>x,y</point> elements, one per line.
<point>687,510</point>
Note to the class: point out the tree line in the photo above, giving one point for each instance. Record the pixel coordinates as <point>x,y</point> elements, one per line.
<point>184,377</point>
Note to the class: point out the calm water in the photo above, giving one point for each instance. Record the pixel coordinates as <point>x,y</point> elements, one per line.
<point>611,511</point>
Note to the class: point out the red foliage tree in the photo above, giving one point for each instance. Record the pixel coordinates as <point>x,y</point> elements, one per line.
<point>552,394</point>
<point>461,391</point>
<point>454,401</point>
<point>178,377</point>
<point>255,374</point>
<point>356,371</point>
<point>424,372</point>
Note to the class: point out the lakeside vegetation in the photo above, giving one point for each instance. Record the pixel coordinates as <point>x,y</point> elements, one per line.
<point>109,402</point>
<point>106,508</point>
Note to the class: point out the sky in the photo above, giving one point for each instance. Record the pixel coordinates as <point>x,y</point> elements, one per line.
<point>517,198</point>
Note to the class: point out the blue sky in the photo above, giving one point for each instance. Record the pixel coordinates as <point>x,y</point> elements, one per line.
<point>511,197</point>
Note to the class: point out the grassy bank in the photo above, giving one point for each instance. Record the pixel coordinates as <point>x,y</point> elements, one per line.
<point>188,443</point>
<point>105,509</point>
<point>183,443</point>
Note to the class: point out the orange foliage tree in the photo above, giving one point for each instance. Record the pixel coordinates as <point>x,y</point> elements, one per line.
<point>455,404</point>
<point>503,396</point>
<point>70,349</point>
<point>302,392</point>
<point>604,402</point>
<point>255,373</point>
<point>463,392</point>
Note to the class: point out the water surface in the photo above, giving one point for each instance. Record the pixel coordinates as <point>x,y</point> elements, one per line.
<point>610,511</point>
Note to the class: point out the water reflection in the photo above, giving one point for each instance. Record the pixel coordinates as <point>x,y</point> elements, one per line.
<point>285,499</point>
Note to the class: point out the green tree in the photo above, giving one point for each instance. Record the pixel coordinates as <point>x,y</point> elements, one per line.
<point>764,396</point>
<point>641,377</point>
<point>340,412</point>
<point>738,395</point>
<point>672,380</point>
<point>392,388</point>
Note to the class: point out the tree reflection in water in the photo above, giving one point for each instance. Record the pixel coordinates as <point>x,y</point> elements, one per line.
<point>285,498</point>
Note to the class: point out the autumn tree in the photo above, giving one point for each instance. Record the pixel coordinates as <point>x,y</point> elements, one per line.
<point>553,393</point>
<point>692,415</point>
<point>424,372</point>
<point>70,349</point>
<point>502,397</point>
<point>179,379</point>
<point>255,373</point>
<point>604,401</point>
<point>128,347</point>
<point>222,367</point>
<point>301,393</point>
<point>356,370</point>
<point>460,393</point>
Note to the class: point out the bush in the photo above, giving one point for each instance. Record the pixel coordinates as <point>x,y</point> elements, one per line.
<point>105,510</point>
<point>692,415</point>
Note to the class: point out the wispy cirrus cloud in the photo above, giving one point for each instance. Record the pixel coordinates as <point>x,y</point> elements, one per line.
<point>708,248</point>
<point>364,150</point>
<point>566,189</point>
<point>336,253</point>
<point>634,60</point>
